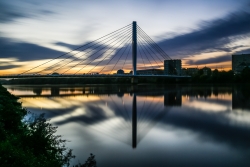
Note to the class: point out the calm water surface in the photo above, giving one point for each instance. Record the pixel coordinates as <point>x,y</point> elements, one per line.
<point>148,125</point>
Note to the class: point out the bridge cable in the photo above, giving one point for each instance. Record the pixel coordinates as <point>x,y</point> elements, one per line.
<point>150,43</point>
<point>120,57</point>
<point>145,54</point>
<point>91,50</point>
<point>106,56</point>
<point>156,45</point>
<point>141,56</point>
<point>70,51</point>
<point>89,57</point>
<point>152,50</point>
<point>149,53</point>
<point>101,55</point>
<point>115,55</point>
<point>93,44</point>
<point>126,57</point>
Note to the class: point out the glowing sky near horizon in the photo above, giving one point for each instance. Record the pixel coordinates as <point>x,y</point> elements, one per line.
<point>200,32</point>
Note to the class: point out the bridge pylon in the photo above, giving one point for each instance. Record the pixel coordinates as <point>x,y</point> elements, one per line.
<point>134,47</point>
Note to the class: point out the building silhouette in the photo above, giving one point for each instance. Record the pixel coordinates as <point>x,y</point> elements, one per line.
<point>150,72</point>
<point>172,67</point>
<point>120,71</point>
<point>206,71</point>
<point>239,62</point>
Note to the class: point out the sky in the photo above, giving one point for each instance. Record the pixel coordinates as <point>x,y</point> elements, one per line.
<point>199,32</point>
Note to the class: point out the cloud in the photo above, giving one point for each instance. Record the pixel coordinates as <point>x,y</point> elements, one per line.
<point>4,67</point>
<point>70,46</point>
<point>46,12</point>
<point>245,51</point>
<point>10,13</point>
<point>210,60</point>
<point>25,51</point>
<point>211,36</point>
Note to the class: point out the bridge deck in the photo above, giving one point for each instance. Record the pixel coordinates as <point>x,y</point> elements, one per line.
<point>92,76</point>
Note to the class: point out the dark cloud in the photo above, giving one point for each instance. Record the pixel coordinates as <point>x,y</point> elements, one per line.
<point>245,51</point>
<point>210,60</point>
<point>25,51</point>
<point>5,67</point>
<point>70,46</point>
<point>211,36</point>
<point>10,13</point>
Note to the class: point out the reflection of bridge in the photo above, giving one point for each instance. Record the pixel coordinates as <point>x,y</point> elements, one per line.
<point>150,110</point>
<point>141,106</point>
<point>140,117</point>
<point>103,57</point>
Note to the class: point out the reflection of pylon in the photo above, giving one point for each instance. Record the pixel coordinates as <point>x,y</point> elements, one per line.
<point>134,122</point>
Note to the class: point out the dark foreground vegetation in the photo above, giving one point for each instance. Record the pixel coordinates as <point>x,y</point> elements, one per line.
<point>30,142</point>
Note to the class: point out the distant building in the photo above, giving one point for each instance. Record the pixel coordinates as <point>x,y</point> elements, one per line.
<point>207,71</point>
<point>150,72</point>
<point>184,71</point>
<point>120,71</point>
<point>172,67</point>
<point>192,71</point>
<point>55,74</point>
<point>239,62</point>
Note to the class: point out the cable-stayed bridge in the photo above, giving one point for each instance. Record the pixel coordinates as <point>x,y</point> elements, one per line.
<point>128,49</point>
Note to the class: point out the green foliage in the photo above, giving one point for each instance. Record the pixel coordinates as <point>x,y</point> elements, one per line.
<point>91,162</point>
<point>28,143</point>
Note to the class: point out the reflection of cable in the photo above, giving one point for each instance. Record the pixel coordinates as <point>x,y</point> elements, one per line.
<point>129,118</point>
<point>152,123</point>
<point>114,125</point>
<point>144,113</point>
<point>140,113</point>
<point>102,100</point>
<point>122,113</point>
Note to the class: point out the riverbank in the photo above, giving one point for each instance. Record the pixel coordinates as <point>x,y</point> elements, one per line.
<point>28,140</point>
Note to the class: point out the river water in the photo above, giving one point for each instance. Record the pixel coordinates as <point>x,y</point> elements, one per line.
<point>148,125</point>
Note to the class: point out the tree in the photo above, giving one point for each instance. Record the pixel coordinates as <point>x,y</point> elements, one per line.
<point>28,143</point>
